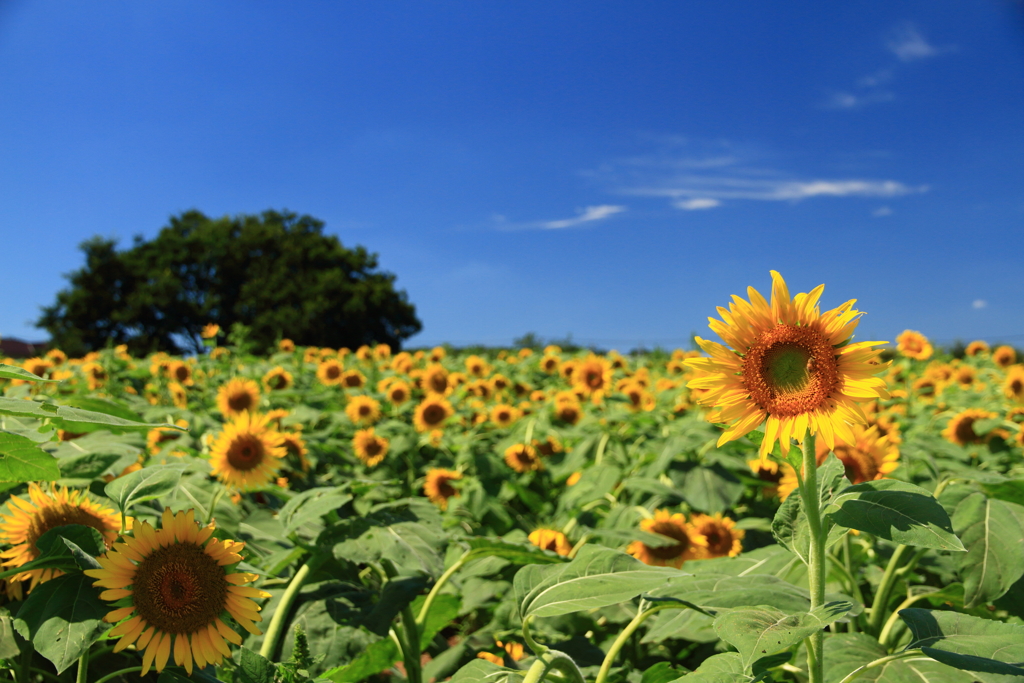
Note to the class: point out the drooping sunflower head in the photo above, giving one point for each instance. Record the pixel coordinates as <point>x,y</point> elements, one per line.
<point>278,379</point>
<point>363,410</point>
<point>330,372</point>
<point>369,447</point>
<point>48,509</point>
<point>548,446</point>
<point>432,413</point>
<point>960,429</point>
<point>219,353</point>
<point>504,415</point>
<point>523,458</point>
<point>179,589</point>
<point>247,453</point>
<point>295,447</point>
<point>787,366</point>
<point>689,544</point>
<point>1004,356</point>
<point>95,374</point>
<point>238,396</point>
<point>438,486</point>
<point>976,348</point>
<point>870,456</point>
<point>724,539</point>
<point>550,539</point>
<point>914,345</point>
<point>382,352</point>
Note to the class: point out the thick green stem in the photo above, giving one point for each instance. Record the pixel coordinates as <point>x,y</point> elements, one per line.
<point>410,634</point>
<point>890,623</point>
<point>816,556</point>
<point>885,590</point>
<point>601,445</point>
<point>880,662</point>
<point>631,627</point>
<point>281,613</point>
<point>435,589</point>
<point>854,583</point>
<point>553,659</point>
<point>83,668</point>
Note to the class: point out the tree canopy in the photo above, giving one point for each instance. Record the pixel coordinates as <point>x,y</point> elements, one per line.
<point>276,273</point>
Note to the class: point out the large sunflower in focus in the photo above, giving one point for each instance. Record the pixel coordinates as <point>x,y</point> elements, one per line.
<point>45,510</point>
<point>788,366</point>
<point>247,453</point>
<point>178,589</point>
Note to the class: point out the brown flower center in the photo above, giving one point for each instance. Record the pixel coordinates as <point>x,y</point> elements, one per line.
<point>245,452</point>
<point>965,431</point>
<point>434,414</point>
<point>790,370</point>
<point>672,530</point>
<point>179,588</point>
<point>373,447</point>
<point>860,466</point>
<point>240,401</point>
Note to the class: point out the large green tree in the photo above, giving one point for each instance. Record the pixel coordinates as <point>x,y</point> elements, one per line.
<point>276,273</point>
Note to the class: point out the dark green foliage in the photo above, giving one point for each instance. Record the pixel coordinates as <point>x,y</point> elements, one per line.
<point>276,273</point>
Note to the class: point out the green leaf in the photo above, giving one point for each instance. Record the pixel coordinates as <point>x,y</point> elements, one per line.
<point>896,511</point>
<point>8,645</point>
<point>516,553</point>
<point>74,419</point>
<point>761,631</point>
<point>14,372</point>
<point>713,592</point>
<point>309,506</point>
<point>790,526</point>
<point>375,658</point>
<point>662,672</point>
<point>597,577</point>
<point>993,532</point>
<point>145,484</point>
<point>255,668</point>
<point>846,652</point>
<point>396,595</point>
<point>63,618</point>
<point>711,489</point>
<point>482,671</point>
<point>966,642</point>
<point>87,466</point>
<point>22,460</point>
<point>103,406</point>
<point>722,668</point>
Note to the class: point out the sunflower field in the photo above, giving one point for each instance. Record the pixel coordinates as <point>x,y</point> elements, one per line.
<point>787,504</point>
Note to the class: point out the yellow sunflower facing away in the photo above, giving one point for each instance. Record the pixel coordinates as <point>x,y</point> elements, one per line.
<point>914,345</point>
<point>550,539</point>
<point>438,486</point>
<point>976,348</point>
<point>48,509</point>
<point>247,453</point>
<point>787,366</point>
<point>369,447</point>
<point>238,396</point>
<point>690,544</point>
<point>178,587</point>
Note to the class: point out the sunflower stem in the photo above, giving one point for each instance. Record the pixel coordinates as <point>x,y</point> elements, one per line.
<point>122,672</point>
<point>276,625</point>
<point>438,585</point>
<point>641,616</point>
<point>83,668</point>
<point>816,565</point>
<point>410,640</point>
<point>885,589</point>
<point>553,659</point>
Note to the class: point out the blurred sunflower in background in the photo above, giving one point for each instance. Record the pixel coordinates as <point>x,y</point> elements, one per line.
<point>363,410</point>
<point>438,486</point>
<point>723,538</point>
<point>278,379</point>
<point>1004,356</point>
<point>369,447</point>
<point>179,593</point>
<point>914,345</point>
<point>330,372</point>
<point>689,544</point>
<point>550,539</point>
<point>960,429</point>
<point>247,453</point>
<point>237,397</point>
<point>523,458</point>
<point>432,413</point>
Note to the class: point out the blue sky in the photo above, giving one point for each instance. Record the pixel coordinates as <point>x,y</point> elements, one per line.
<point>610,170</point>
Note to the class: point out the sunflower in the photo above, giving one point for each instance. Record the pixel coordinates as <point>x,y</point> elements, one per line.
<point>689,543</point>
<point>177,587</point>
<point>438,486</point>
<point>38,366</point>
<point>48,509</point>
<point>210,330</point>
<point>369,447</point>
<point>435,380</point>
<point>914,345</point>
<point>247,453</point>
<point>548,446</point>
<point>363,410</point>
<point>437,354</point>
<point>1004,356</point>
<point>497,660</point>
<point>398,393</point>
<point>870,456</point>
<point>500,382</point>
<point>960,429</point>
<point>180,372</point>
<point>353,379</point>
<point>504,415</point>
<point>639,398</point>
<point>286,346</point>
<point>789,367</point>
<point>402,363</point>
<point>238,396</point>
<point>477,366</point>
<point>523,458</point>
<point>95,375</point>
<point>481,388</point>
<point>593,374</point>
<point>976,347</point>
<point>160,437</point>
<point>566,410</point>
<point>567,368</point>
<point>56,356</point>
<point>549,364</point>
<point>431,413</point>
<point>277,379</point>
<point>1013,385</point>
<point>330,372</point>
<point>724,539</point>
<point>549,539</point>
<point>768,472</point>
<point>219,352</point>
<point>295,445</point>
<point>311,354</point>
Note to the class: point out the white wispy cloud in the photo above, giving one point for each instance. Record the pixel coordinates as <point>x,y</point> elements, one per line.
<point>979,304</point>
<point>704,188</point>
<point>698,203</point>
<point>590,213</point>
<point>908,44</point>
<point>881,211</point>
<point>849,100</point>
